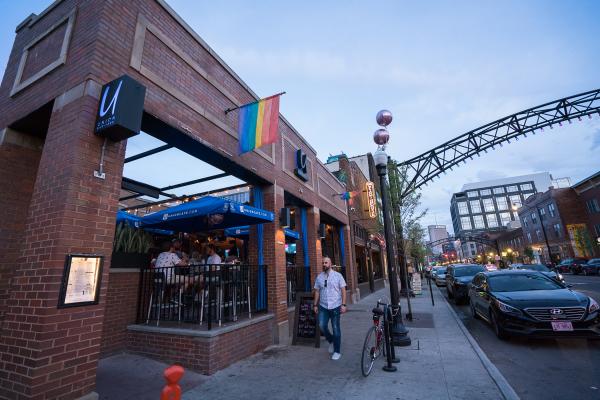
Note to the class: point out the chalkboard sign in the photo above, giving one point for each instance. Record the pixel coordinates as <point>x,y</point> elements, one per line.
<point>306,327</point>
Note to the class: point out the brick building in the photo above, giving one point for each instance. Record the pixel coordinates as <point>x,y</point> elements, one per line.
<point>589,193</point>
<point>367,229</point>
<point>54,204</point>
<point>552,221</point>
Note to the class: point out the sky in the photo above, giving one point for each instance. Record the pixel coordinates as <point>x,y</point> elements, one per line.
<point>441,67</point>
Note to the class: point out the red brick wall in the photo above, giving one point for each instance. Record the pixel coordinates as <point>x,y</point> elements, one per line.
<point>19,168</point>
<point>205,355</point>
<point>120,311</point>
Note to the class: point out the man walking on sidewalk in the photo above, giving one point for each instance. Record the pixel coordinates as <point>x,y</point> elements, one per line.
<point>329,303</point>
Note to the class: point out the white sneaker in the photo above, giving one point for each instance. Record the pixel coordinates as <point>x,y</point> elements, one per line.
<point>331,348</point>
<point>336,356</point>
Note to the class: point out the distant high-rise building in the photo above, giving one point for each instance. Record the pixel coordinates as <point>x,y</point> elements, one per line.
<point>437,232</point>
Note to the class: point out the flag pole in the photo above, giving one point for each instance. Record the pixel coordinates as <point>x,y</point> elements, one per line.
<point>253,102</point>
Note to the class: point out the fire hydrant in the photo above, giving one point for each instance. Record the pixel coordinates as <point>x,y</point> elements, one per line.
<point>172,391</point>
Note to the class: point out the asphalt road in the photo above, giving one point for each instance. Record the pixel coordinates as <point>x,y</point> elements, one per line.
<point>544,368</point>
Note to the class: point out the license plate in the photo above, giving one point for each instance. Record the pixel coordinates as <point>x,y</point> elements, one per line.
<point>562,325</point>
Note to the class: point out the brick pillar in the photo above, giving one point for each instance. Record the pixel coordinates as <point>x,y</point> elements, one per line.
<point>351,273</point>
<point>315,254</point>
<point>274,257</point>
<point>19,158</point>
<point>47,352</point>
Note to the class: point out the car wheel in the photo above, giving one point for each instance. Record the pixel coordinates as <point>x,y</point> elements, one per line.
<point>457,300</point>
<point>585,273</point>
<point>473,312</point>
<point>450,294</point>
<point>500,333</point>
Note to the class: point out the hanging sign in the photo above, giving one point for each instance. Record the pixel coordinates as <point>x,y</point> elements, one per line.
<point>370,187</point>
<point>120,110</point>
<point>301,169</point>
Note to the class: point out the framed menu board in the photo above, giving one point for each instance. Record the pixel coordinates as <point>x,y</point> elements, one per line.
<point>80,284</point>
<point>306,326</point>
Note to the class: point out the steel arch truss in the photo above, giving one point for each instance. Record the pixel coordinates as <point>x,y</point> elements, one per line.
<point>424,168</point>
<point>464,239</point>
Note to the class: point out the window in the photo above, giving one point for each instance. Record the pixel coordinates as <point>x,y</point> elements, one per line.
<point>538,233</point>
<point>502,203</point>
<point>478,221</point>
<point>512,188</point>
<point>557,231</point>
<point>465,223</point>
<point>505,218</point>
<point>462,208</point>
<point>592,206</point>
<point>498,190</point>
<point>533,218</point>
<point>542,213</point>
<point>551,210</point>
<point>485,192</point>
<point>492,220</point>
<point>472,193</point>
<point>526,186</point>
<point>475,206</point>
<point>516,200</point>
<point>472,246</point>
<point>527,195</point>
<point>525,222</point>
<point>515,215</point>
<point>488,205</point>
<point>529,237</point>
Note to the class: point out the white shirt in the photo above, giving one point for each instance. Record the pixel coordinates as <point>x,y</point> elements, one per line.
<point>330,297</point>
<point>214,259</point>
<point>167,259</point>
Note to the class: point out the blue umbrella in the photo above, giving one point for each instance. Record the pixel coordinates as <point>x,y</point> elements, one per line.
<point>206,213</point>
<point>136,222</point>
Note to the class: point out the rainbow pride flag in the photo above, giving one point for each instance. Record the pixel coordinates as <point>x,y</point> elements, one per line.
<point>258,123</point>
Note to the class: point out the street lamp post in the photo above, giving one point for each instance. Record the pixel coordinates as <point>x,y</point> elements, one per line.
<point>381,137</point>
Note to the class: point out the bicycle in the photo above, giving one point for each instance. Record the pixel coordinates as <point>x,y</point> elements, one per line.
<point>372,350</point>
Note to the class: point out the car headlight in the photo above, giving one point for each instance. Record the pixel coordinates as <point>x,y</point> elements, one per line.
<point>561,277</point>
<point>505,308</point>
<point>593,307</point>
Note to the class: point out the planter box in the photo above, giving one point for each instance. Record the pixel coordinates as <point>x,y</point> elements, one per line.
<point>129,260</point>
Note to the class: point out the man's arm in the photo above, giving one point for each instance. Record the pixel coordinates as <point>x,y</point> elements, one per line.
<point>316,301</point>
<point>343,299</point>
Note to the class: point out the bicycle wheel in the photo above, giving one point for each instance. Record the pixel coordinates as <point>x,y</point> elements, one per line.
<point>369,353</point>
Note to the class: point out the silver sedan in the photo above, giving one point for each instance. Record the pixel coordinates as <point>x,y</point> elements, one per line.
<point>440,277</point>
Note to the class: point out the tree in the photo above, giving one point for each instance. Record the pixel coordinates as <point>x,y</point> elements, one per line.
<point>404,212</point>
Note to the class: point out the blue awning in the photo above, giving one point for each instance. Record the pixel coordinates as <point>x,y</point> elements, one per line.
<point>207,213</point>
<point>238,231</point>
<point>136,222</point>
<point>291,233</point>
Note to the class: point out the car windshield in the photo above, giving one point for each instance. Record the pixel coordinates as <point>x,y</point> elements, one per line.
<point>534,267</point>
<point>468,270</point>
<point>594,261</point>
<point>440,271</point>
<point>521,282</point>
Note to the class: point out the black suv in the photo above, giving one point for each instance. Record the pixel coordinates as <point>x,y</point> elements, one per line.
<point>458,277</point>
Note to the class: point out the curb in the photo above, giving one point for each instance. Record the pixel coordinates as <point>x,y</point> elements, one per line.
<point>505,388</point>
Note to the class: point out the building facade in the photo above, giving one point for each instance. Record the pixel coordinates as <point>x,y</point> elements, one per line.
<point>589,193</point>
<point>554,225</point>
<point>62,185</point>
<point>437,232</point>
<point>365,218</point>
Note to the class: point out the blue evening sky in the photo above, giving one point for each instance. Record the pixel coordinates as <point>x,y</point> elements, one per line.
<point>441,67</point>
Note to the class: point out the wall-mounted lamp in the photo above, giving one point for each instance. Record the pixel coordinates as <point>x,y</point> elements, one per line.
<point>285,218</point>
<point>322,231</point>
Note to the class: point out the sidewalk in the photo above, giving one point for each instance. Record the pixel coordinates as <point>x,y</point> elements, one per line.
<point>440,364</point>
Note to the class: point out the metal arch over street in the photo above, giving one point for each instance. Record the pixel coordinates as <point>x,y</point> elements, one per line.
<point>465,239</point>
<point>424,168</point>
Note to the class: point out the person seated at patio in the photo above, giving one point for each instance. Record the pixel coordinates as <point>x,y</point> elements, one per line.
<point>213,257</point>
<point>170,258</point>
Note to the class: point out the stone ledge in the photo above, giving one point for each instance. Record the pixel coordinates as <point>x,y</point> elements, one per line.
<point>196,333</point>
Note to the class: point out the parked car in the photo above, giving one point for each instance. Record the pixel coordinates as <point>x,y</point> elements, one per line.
<point>523,302</point>
<point>539,268</point>
<point>572,265</point>
<point>458,276</point>
<point>439,276</point>
<point>592,267</point>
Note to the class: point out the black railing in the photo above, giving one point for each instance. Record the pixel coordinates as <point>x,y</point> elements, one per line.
<point>295,277</point>
<point>202,294</point>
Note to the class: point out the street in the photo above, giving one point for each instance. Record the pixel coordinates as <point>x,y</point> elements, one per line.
<point>544,368</point>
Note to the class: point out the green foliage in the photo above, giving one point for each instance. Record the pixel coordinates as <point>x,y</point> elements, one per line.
<point>528,251</point>
<point>131,240</point>
<point>583,241</point>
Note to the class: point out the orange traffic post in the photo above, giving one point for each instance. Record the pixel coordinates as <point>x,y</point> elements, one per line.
<point>172,391</point>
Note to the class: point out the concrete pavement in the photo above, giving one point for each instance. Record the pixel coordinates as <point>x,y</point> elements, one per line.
<point>440,364</point>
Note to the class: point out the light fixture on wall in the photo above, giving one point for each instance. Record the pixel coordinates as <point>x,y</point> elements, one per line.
<point>322,231</point>
<point>285,218</point>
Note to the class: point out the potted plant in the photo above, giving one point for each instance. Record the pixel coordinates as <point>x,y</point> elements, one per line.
<point>130,247</point>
